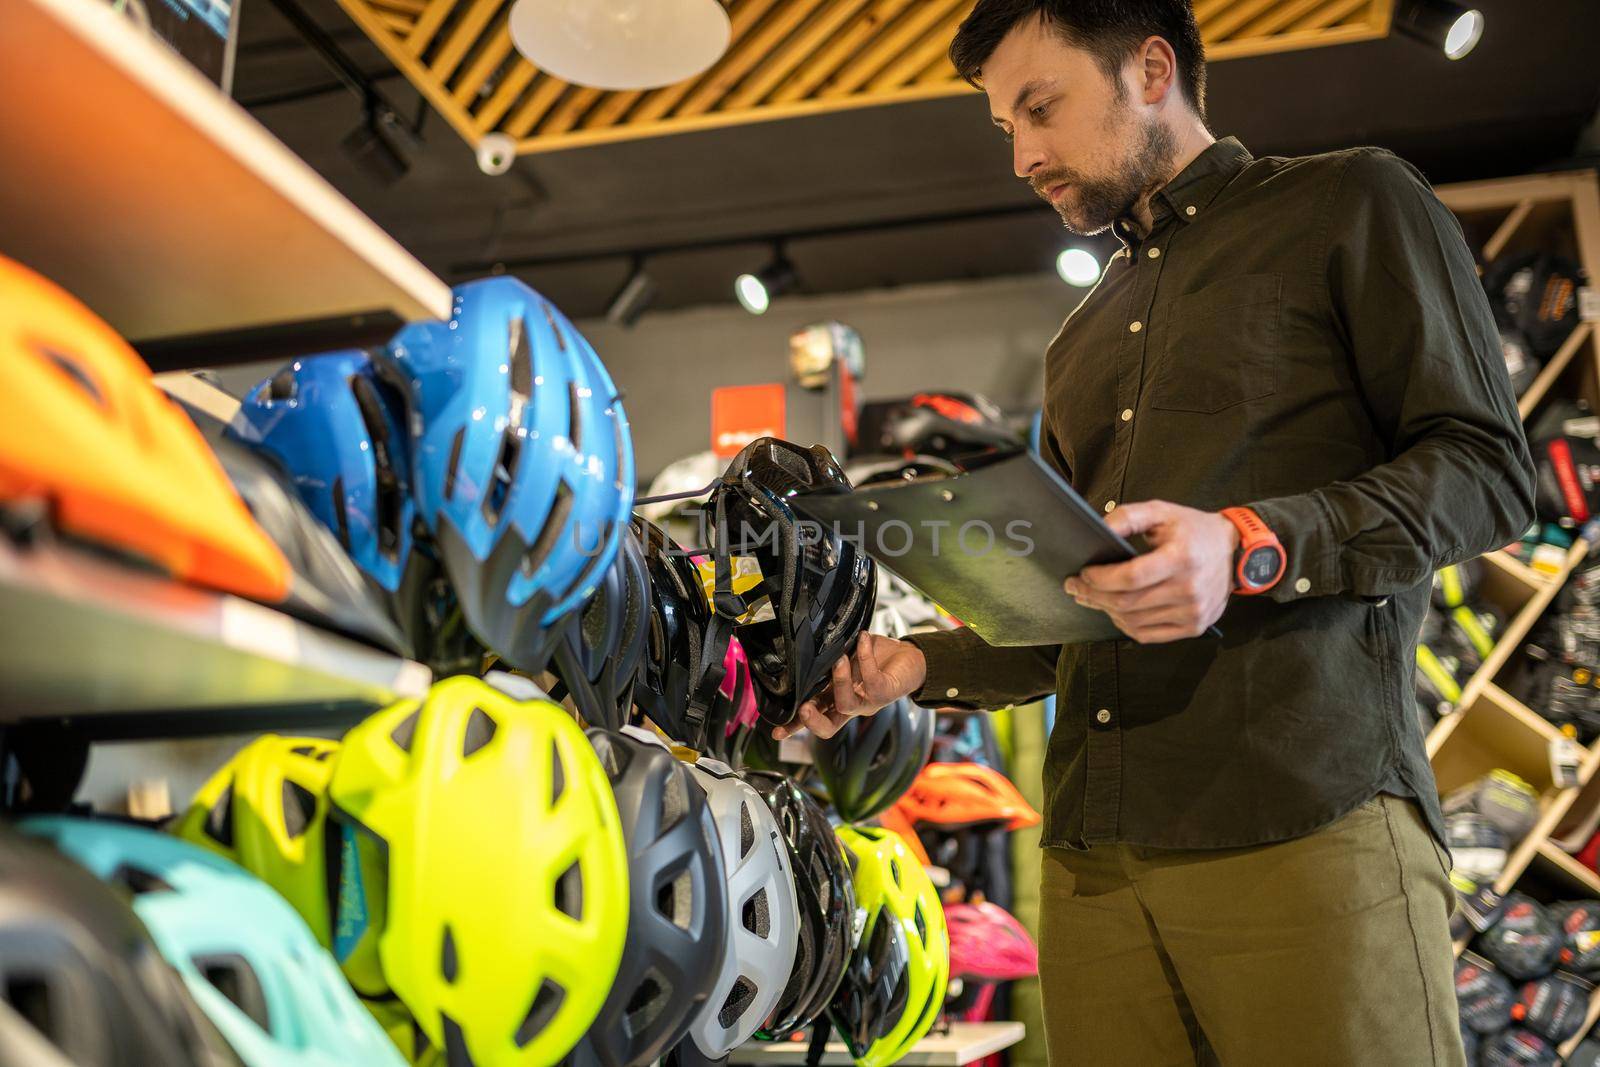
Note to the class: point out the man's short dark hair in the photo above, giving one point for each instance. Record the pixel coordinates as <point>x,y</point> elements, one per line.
<point>1109,30</point>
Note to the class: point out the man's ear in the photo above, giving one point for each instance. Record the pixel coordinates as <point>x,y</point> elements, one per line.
<point>1158,68</point>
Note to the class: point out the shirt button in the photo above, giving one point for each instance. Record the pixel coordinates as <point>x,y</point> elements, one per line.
<point>1135,327</point>
<point>1127,414</point>
<point>1155,253</point>
<point>1303,585</point>
<point>1102,716</point>
<point>1111,505</point>
<point>952,692</point>
<point>1189,210</point>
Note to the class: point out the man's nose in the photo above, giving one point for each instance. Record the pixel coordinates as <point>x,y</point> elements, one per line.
<point>1026,157</point>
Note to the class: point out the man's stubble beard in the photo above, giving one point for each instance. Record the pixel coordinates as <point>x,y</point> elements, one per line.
<point>1092,205</point>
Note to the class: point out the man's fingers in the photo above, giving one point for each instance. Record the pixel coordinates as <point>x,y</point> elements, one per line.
<point>1141,572</point>
<point>1170,593</point>
<point>1131,519</point>
<point>822,724</point>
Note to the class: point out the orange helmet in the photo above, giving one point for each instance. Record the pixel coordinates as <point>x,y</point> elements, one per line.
<point>962,794</point>
<point>892,818</point>
<point>84,430</point>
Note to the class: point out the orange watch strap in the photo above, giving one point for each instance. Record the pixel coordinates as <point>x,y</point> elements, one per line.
<point>1253,534</point>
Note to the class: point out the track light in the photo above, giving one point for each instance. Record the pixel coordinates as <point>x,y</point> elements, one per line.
<point>634,298</point>
<point>1443,24</point>
<point>1078,266</point>
<point>756,292</point>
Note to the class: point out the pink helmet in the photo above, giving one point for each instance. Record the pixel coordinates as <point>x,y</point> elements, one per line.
<point>987,944</point>
<point>733,715</point>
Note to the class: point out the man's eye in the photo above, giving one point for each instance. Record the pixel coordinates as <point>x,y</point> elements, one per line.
<point>1039,111</point>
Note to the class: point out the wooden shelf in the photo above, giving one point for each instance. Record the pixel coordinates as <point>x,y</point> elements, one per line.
<point>964,1043</point>
<point>1585,882</point>
<point>83,638</point>
<point>144,191</point>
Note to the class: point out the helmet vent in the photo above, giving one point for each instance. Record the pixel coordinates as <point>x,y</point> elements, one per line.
<point>674,799</point>
<point>336,493</point>
<point>479,732</point>
<point>555,327</point>
<point>649,997</point>
<point>235,979</point>
<point>521,358</point>
<point>324,756</point>
<point>402,734</point>
<point>755,916</point>
<point>824,884</point>
<point>569,893</point>
<point>302,750</point>
<point>299,807</point>
<point>747,831</point>
<point>29,996</point>
<point>138,881</point>
<point>675,900</point>
<point>455,1043</point>
<point>390,495</point>
<point>921,924</point>
<point>894,872</point>
<point>550,535</point>
<point>449,965</point>
<point>575,418</point>
<point>282,386</point>
<point>739,998</point>
<point>558,774</point>
<point>219,820</point>
<point>546,1002</point>
<point>502,477</point>
<point>454,465</point>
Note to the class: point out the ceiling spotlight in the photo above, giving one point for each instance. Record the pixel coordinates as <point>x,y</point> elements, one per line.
<point>633,298</point>
<point>1078,266</point>
<point>1442,24</point>
<point>620,44</point>
<point>756,292</point>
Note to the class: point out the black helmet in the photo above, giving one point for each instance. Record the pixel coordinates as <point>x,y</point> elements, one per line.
<point>676,633</point>
<point>602,644</point>
<point>677,917</point>
<point>821,588</point>
<point>895,470</point>
<point>873,759</point>
<point>1536,295</point>
<point>948,426</point>
<point>80,972</point>
<point>827,900</point>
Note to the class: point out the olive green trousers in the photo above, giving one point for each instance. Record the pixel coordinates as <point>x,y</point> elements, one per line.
<point>1332,949</point>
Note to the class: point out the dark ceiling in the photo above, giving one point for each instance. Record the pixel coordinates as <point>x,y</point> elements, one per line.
<point>1520,102</point>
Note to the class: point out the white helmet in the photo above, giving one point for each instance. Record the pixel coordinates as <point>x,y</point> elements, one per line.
<point>913,611</point>
<point>763,915</point>
<point>686,475</point>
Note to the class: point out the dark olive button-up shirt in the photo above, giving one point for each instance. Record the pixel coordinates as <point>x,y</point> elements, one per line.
<point>1306,337</point>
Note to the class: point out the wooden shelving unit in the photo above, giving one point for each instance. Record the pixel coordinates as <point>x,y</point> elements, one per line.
<point>1491,728</point>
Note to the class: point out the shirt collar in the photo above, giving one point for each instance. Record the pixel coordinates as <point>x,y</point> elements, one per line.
<point>1192,191</point>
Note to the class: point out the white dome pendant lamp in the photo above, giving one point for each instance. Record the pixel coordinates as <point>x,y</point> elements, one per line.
<point>620,44</point>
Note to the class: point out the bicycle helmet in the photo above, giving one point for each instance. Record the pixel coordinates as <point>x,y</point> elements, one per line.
<point>675,656</point>
<point>23,1046</point>
<point>894,470</point>
<point>988,944</point>
<point>80,975</point>
<point>763,916</point>
<point>603,644</point>
<point>506,870</point>
<point>895,820</point>
<point>965,794</point>
<point>733,719</point>
<point>85,431</point>
<point>523,465</point>
<point>266,809</point>
<point>949,426</point>
<point>821,587</point>
<point>247,958</point>
<point>873,759</point>
<point>677,919</point>
<point>895,984</point>
<point>826,900</point>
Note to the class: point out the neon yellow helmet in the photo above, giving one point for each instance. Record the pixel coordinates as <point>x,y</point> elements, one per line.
<point>266,809</point>
<point>507,872</point>
<point>895,984</point>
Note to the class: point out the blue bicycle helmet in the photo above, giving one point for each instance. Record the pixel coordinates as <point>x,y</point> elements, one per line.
<point>249,960</point>
<point>336,423</point>
<point>523,461</point>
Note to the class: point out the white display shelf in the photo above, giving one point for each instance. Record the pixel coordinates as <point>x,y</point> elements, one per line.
<point>964,1043</point>
<point>134,183</point>
<point>80,636</point>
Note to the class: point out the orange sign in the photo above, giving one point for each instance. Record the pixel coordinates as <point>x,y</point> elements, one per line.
<point>742,413</point>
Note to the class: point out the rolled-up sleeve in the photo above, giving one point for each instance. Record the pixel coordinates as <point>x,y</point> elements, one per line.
<point>964,671</point>
<point>1425,353</point>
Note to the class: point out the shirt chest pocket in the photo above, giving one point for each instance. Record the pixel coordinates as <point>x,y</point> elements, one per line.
<point>1221,346</point>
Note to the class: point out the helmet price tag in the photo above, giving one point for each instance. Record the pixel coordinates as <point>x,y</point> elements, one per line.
<point>1566,757</point>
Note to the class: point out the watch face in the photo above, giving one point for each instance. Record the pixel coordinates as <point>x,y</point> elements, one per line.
<point>1261,566</point>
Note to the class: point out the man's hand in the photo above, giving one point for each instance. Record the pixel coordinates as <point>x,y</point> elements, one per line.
<point>880,671</point>
<point>1176,590</point>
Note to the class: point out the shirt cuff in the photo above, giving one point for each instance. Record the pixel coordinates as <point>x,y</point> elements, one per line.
<point>947,654</point>
<point>1311,551</point>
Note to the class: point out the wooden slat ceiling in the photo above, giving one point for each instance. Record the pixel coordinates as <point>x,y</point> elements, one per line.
<point>787,57</point>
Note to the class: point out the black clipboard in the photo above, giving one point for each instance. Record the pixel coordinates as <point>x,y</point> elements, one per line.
<point>932,534</point>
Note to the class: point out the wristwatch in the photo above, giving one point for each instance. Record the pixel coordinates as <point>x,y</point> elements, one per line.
<point>1259,559</point>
